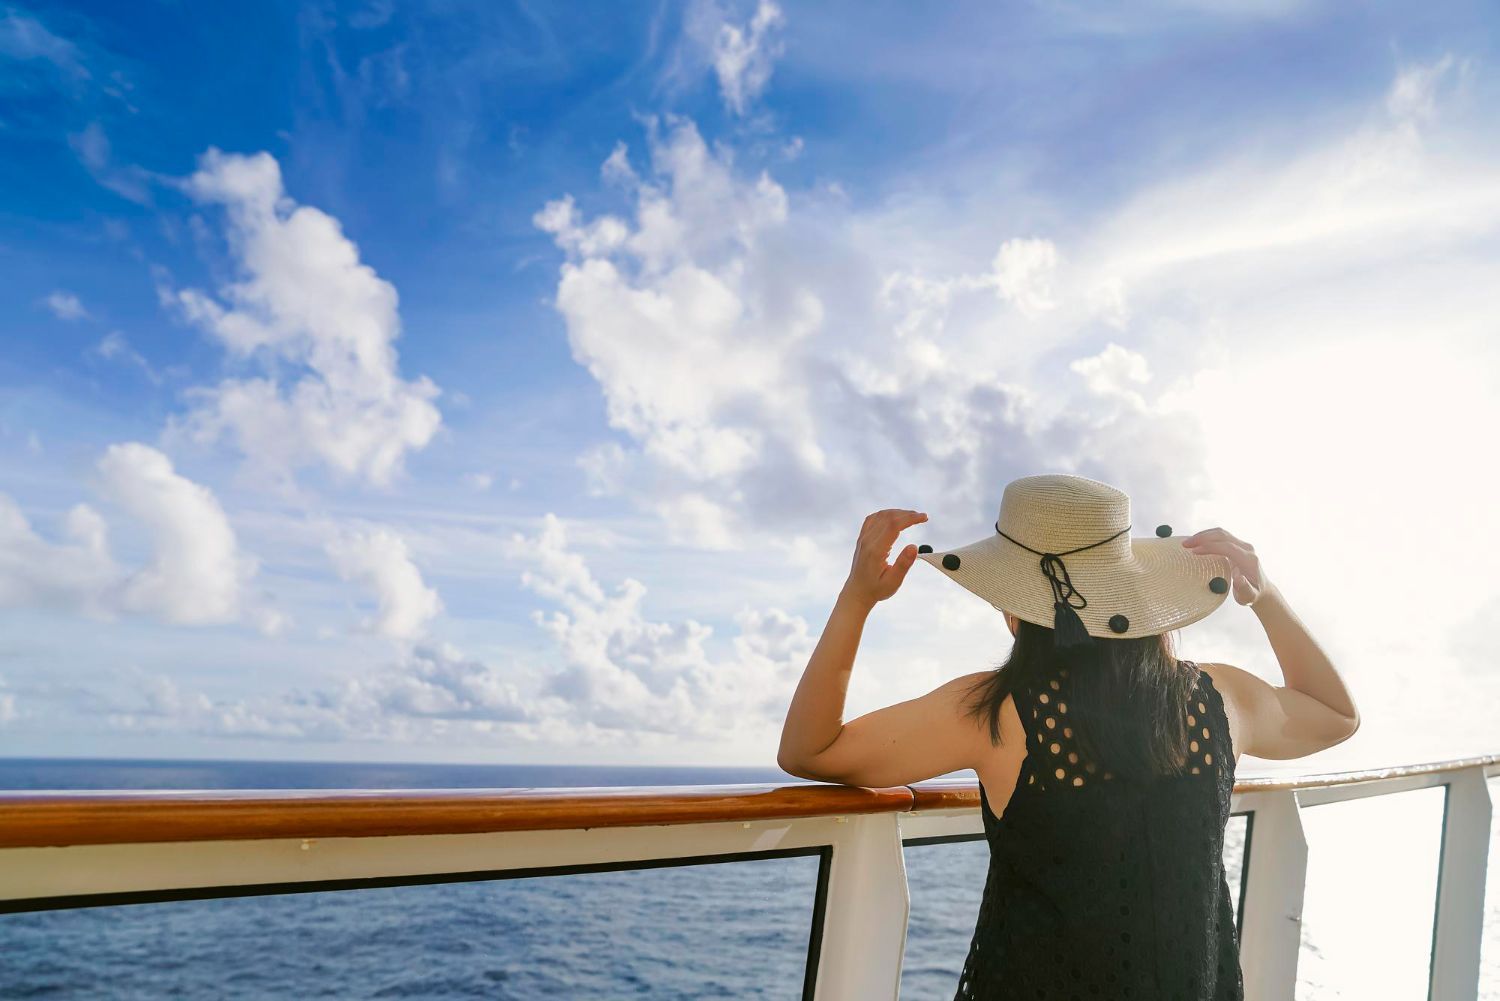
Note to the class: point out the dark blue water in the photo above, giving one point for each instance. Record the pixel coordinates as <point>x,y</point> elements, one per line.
<point>732,930</point>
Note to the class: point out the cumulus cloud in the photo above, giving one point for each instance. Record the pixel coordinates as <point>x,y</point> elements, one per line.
<point>621,670</point>
<point>440,682</point>
<point>377,559</point>
<point>1023,274</point>
<point>304,304</point>
<point>617,676</point>
<point>195,575</point>
<point>744,55</point>
<point>782,373</point>
<point>74,573</point>
<point>429,693</point>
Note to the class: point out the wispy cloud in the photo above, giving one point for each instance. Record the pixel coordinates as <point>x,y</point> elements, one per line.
<point>66,306</point>
<point>93,149</point>
<point>23,37</point>
<point>744,55</point>
<point>114,346</point>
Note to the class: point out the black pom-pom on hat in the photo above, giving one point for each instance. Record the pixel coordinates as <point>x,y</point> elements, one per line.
<point>1119,623</point>
<point>1218,585</point>
<point>924,548</point>
<point>1164,531</point>
<point>950,562</point>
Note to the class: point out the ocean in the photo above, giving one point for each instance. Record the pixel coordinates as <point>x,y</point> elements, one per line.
<point>734,930</point>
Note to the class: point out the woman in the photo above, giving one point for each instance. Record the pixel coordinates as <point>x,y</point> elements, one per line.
<point>1105,764</point>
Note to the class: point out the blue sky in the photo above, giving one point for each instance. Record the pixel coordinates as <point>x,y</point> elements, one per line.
<point>500,382</point>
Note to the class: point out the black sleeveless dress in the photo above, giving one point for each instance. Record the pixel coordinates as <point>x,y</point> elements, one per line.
<point>1101,888</point>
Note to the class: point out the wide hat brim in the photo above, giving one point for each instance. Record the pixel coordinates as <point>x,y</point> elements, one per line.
<point>1159,586</point>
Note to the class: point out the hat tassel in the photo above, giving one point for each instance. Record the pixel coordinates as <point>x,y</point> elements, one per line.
<point>1068,630</point>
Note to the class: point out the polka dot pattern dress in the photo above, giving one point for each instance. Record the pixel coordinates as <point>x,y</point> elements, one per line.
<point>1105,888</point>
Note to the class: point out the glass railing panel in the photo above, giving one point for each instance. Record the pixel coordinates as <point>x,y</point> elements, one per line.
<point>1236,832</point>
<point>1370,897</point>
<point>727,930</point>
<point>945,880</point>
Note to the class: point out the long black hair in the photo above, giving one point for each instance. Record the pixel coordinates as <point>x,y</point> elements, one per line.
<point>1126,697</point>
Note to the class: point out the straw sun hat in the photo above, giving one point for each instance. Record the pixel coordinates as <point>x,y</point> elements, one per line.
<point>1062,557</point>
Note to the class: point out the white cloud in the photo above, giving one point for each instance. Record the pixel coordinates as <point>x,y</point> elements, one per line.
<point>66,306</point>
<point>377,558</point>
<point>784,375</point>
<point>114,347</point>
<point>439,682</point>
<point>1413,96</point>
<point>431,693</point>
<point>743,56</point>
<point>93,150</point>
<point>623,671</point>
<point>1024,271</point>
<point>197,573</point>
<point>76,573</point>
<point>26,38</point>
<point>1115,372</point>
<point>307,304</point>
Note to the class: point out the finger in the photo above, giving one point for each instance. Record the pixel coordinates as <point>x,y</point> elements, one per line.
<point>904,561</point>
<point>1223,547</point>
<point>903,517</point>
<point>1244,591</point>
<point>893,524</point>
<point>1216,533</point>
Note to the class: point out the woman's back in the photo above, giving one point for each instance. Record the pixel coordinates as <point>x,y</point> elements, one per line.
<point>1101,886</point>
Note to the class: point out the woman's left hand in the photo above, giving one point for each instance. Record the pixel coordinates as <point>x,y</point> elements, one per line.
<point>871,578</point>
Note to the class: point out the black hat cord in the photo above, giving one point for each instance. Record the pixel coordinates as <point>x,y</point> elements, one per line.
<point>1067,628</point>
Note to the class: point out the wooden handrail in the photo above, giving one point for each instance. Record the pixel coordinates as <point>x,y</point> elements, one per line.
<point>37,819</point>
<point>54,819</point>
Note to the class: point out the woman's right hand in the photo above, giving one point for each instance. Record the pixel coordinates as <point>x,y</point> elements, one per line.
<point>1249,577</point>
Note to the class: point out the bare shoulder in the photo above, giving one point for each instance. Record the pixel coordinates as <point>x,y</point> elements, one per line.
<point>961,693</point>
<point>965,690</point>
<point>1230,680</point>
<point>1241,689</point>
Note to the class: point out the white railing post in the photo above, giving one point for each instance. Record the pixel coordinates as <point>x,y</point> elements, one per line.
<point>864,920</point>
<point>1272,924</point>
<point>1458,926</point>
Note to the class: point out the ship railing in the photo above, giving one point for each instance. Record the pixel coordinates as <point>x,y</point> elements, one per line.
<point>89,849</point>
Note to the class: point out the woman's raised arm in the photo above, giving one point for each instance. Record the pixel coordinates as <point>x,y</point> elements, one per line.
<point>892,746</point>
